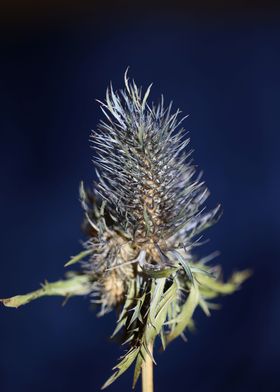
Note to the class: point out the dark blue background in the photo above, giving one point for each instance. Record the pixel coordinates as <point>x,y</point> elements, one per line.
<point>222,69</point>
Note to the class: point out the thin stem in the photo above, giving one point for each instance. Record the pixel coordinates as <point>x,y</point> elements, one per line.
<point>147,372</point>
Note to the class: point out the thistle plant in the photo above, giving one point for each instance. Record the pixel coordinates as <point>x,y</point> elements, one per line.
<point>143,221</point>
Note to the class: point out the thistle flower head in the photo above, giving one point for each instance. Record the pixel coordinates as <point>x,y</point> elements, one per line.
<point>142,220</point>
<point>150,187</point>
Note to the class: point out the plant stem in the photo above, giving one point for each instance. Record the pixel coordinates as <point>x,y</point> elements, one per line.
<point>147,372</point>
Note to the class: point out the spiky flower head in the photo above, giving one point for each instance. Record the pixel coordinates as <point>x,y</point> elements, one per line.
<point>144,216</point>
<point>148,187</point>
<point>145,175</point>
<point>143,219</point>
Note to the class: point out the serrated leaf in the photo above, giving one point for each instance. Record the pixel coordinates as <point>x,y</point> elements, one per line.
<point>124,313</point>
<point>156,293</point>
<point>137,310</point>
<point>125,363</point>
<point>76,285</point>
<point>228,287</point>
<point>129,300</point>
<point>167,298</point>
<point>186,313</point>
<point>137,370</point>
<point>120,325</point>
<point>158,312</point>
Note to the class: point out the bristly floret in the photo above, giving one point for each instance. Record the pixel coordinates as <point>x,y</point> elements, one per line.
<point>143,169</point>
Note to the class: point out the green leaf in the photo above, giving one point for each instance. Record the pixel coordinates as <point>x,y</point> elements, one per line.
<point>159,305</point>
<point>156,294</point>
<point>78,257</point>
<point>137,370</point>
<point>120,325</point>
<point>158,311</point>
<point>124,313</point>
<point>122,366</point>
<point>186,313</point>
<point>137,310</point>
<point>76,285</point>
<point>218,287</point>
<point>167,298</point>
<point>158,273</point>
<point>202,271</point>
<point>184,263</point>
<point>129,300</point>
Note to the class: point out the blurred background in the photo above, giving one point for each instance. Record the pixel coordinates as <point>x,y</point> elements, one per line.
<point>220,64</point>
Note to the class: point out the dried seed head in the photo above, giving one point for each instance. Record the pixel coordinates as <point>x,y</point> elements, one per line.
<point>141,222</point>
<point>151,189</point>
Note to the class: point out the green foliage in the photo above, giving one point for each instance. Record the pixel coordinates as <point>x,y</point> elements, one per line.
<point>73,285</point>
<point>78,257</point>
<point>165,310</point>
<point>122,366</point>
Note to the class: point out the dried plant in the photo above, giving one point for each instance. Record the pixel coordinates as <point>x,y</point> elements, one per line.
<point>143,221</point>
